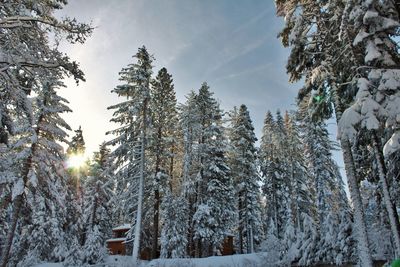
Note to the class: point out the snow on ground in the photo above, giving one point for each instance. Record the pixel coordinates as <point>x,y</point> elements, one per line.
<point>244,260</point>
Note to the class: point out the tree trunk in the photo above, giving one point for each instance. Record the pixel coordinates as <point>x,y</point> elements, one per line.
<point>138,228</point>
<point>95,203</point>
<point>136,242</point>
<point>359,217</point>
<point>171,169</point>
<point>240,219</point>
<point>388,203</point>
<point>4,202</point>
<point>18,201</point>
<point>198,249</point>
<point>11,232</point>
<point>155,224</point>
<point>251,239</point>
<point>190,246</point>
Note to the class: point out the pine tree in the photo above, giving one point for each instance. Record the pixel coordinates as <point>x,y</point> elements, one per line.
<point>214,207</point>
<point>162,145</point>
<point>133,116</point>
<point>75,192</point>
<point>308,246</point>
<point>174,236</point>
<point>275,172</point>
<point>268,152</point>
<point>24,55</point>
<point>301,184</point>
<point>77,144</point>
<point>246,180</point>
<point>97,206</point>
<point>330,198</point>
<point>94,248</point>
<point>219,191</point>
<point>190,124</point>
<point>272,245</point>
<point>378,96</point>
<point>46,182</point>
<point>321,52</point>
<point>345,246</point>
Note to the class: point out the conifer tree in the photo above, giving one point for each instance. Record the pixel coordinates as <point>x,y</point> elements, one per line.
<point>162,145</point>
<point>77,144</point>
<point>302,189</point>
<point>190,124</point>
<point>46,179</point>
<point>97,209</point>
<point>215,213</point>
<point>322,53</point>
<point>214,208</point>
<point>174,235</point>
<point>75,191</point>
<point>24,54</point>
<point>374,24</point>
<point>133,117</point>
<point>246,180</point>
<point>278,176</point>
<point>268,162</point>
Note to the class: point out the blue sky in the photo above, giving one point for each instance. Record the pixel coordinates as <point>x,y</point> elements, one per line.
<point>230,44</point>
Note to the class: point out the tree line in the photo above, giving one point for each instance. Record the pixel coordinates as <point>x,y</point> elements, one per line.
<point>187,175</point>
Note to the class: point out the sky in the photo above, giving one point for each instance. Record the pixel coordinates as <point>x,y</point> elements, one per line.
<point>230,44</point>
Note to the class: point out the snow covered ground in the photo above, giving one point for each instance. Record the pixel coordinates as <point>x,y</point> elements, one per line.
<point>244,260</point>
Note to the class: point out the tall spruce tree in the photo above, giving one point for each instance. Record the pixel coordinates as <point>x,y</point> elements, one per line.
<point>321,52</point>
<point>191,128</point>
<point>97,210</point>
<point>268,164</point>
<point>77,144</point>
<point>133,117</point>
<point>213,183</point>
<point>246,179</point>
<point>25,53</point>
<point>162,146</point>
<point>174,231</point>
<point>40,239</point>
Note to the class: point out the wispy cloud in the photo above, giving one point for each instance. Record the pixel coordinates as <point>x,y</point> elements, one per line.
<point>251,22</point>
<point>244,72</point>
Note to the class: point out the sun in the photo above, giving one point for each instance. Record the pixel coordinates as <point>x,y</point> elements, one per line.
<point>76,161</point>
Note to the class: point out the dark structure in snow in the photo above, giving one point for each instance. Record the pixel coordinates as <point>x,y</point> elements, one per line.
<point>227,247</point>
<point>116,245</point>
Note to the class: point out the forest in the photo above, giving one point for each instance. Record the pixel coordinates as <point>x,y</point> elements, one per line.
<point>186,176</point>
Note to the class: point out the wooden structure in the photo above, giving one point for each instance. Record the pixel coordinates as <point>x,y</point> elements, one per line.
<point>227,246</point>
<point>116,245</point>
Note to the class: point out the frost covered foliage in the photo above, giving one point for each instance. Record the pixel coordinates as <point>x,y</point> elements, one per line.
<point>376,104</point>
<point>348,57</point>
<point>310,227</point>
<point>129,156</point>
<point>308,245</point>
<point>215,213</point>
<point>378,227</point>
<point>207,182</point>
<point>43,180</point>
<point>97,210</point>
<point>163,149</point>
<point>272,245</point>
<point>243,164</point>
<point>274,169</point>
<point>94,248</point>
<point>174,232</point>
<point>29,125</point>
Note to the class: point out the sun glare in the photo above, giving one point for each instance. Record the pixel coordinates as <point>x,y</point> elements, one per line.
<point>76,161</point>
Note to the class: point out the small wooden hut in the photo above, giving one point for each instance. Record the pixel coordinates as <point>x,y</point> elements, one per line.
<point>227,246</point>
<point>116,245</point>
